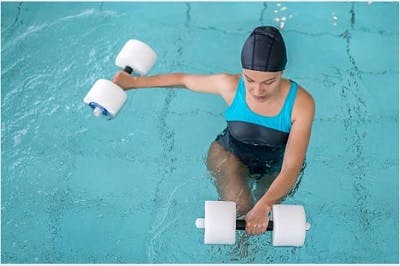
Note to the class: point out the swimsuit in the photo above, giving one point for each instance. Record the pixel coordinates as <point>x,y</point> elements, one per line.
<point>258,141</point>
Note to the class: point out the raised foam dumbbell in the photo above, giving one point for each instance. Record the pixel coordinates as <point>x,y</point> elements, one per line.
<point>288,224</point>
<point>107,98</point>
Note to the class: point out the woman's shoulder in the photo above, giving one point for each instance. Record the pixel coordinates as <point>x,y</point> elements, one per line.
<point>305,95</point>
<point>304,102</point>
<point>302,94</point>
<point>229,83</point>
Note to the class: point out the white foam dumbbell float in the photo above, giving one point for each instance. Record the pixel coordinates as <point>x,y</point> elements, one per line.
<point>288,224</point>
<point>107,98</point>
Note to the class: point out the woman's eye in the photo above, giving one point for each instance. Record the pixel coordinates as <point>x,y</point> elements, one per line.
<point>250,81</point>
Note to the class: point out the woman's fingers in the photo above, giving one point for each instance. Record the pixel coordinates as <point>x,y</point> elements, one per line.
<point>255,228</point>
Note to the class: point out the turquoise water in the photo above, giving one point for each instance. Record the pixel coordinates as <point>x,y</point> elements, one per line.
<point>79,189</point>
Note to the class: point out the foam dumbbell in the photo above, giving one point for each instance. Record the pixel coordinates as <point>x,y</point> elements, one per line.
<point>107,98</point>
<point>288,224</point>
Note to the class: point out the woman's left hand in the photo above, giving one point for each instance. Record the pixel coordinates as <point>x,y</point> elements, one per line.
<point>257,219</point>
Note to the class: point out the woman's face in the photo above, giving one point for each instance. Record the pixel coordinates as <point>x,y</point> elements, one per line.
<point>262,85</point>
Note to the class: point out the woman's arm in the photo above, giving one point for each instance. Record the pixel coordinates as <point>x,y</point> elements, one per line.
<point>296,147</point>
<point>217,84</point>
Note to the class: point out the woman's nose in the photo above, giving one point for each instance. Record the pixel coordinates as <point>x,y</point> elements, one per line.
<point>257,89</point>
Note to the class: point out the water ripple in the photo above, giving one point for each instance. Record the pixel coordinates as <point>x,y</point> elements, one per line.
<point>161,223</point>
<point>45,26</point>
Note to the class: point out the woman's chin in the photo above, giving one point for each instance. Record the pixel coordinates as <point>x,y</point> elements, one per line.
<point>260,99</point>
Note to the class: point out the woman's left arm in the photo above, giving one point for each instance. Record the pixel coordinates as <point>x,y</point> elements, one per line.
<point>296,147</point>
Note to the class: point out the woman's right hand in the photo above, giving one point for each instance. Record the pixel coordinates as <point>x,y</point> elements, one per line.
<point>124,80</point>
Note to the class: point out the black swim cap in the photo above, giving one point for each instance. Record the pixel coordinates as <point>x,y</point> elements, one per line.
<point>264,50</point>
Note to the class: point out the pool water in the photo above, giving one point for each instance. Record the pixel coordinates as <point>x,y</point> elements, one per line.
<point>80,189</point>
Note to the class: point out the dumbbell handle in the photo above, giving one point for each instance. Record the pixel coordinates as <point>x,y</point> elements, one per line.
<point>241,225</point>
<point>128,69</point>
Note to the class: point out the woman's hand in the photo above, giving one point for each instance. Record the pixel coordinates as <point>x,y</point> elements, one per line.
<point>257,219</point>
<point>124,80</point>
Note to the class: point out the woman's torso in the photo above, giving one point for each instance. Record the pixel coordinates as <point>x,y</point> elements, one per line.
<point>258,134</point>
<point>273,115</point>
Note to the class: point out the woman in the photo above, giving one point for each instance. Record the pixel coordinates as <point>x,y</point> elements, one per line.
<point>269,125</point>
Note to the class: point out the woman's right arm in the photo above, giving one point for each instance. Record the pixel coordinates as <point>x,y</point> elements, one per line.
<point>217,84</point>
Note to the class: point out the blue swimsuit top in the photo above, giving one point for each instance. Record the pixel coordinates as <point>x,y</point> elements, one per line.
<point>251,128</point>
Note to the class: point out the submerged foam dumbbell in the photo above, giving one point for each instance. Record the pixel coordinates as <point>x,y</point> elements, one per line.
<point>105,97</point>
<point>288,224</point>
